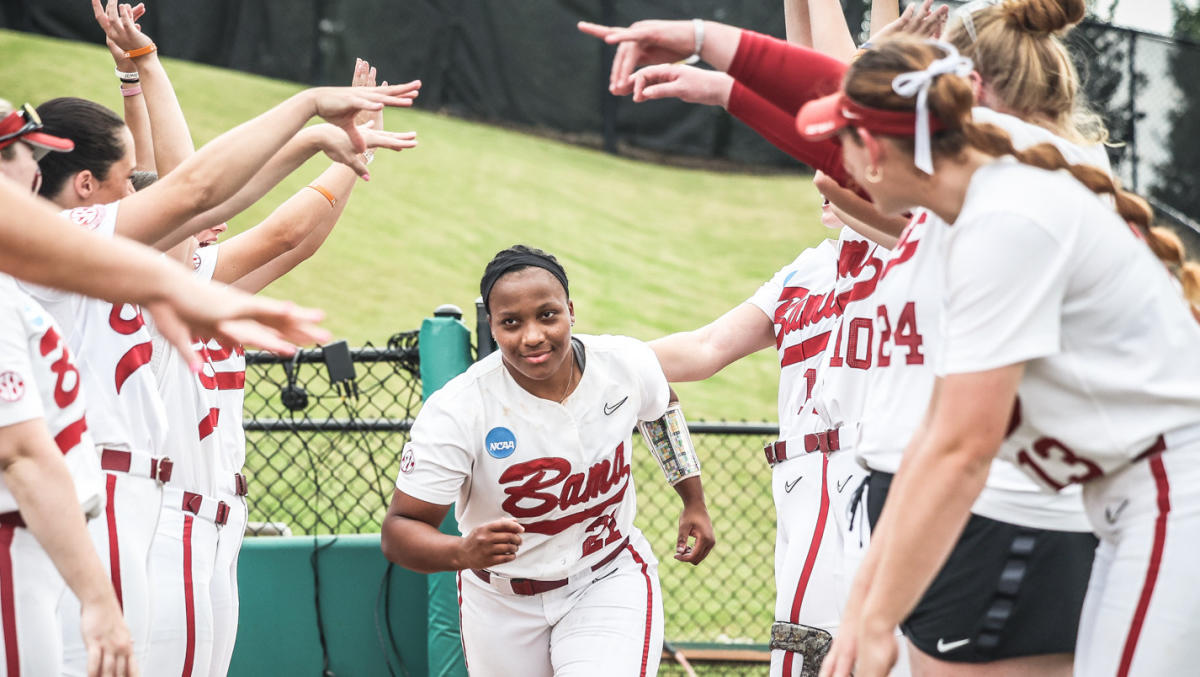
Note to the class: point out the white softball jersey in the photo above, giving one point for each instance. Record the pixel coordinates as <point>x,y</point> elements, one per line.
<point>224,375</point>
<point>112,349</point>
<point>907,311</point>
<point>192,410</point>
<point>801,303</point>
<point>1059,282</point>
<point>39,379</point>
<point>561,470</point>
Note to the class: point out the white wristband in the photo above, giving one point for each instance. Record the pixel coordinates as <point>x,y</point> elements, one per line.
<point>698,33</point>
<point>126,77</point>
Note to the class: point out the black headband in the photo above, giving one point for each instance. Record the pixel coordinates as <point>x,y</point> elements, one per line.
<point>515,262</point>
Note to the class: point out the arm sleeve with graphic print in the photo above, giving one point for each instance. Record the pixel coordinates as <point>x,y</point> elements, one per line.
<point>438,457</point>
<point>1006,277</point>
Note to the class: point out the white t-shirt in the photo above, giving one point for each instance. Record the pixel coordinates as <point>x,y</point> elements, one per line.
<point>1057,280</point>
<point>561,470</point>
<point>907,311</point>
<point>40,380</point>
<point>112,349</point>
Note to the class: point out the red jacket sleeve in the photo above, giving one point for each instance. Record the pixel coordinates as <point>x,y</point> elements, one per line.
<point>787,75</point>
<point>778,127</point>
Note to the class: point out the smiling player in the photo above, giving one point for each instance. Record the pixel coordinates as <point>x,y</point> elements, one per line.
<point>533,445</point>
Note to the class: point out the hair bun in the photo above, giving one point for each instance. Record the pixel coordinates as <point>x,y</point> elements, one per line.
<point>1045,16</point>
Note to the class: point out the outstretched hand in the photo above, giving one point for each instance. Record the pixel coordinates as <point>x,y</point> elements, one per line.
<point>642,43</point>
<point>340,105</point>
<point>233,317</point>
<point>490,544</point>
<point>920,20</point>
<point>121,31</point>
<point>686,83</point>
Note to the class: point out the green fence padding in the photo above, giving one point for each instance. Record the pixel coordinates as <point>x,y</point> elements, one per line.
<point>445,345</point>
<point>277,633</point>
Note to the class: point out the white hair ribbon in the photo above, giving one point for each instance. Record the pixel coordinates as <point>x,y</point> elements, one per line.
<point>917,83</point>
<point>966,11</point>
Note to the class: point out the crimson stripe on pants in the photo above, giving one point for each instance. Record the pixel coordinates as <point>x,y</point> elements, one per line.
<point>814,547</point>
<point>8,607</point>
<point>649,608</point>
<point>1159,472</point>
<point>114,550</point>
<point>461,639</point>
<point>189,598</point>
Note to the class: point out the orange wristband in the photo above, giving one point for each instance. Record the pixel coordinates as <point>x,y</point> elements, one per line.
<point>324,193</point>
<point>141,51</point>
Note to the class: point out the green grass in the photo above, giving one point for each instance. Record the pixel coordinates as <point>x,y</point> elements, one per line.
<point>650,249</point>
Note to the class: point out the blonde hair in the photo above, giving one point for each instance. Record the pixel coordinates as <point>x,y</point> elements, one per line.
<point>1018,51</point>
<point>869,83</point>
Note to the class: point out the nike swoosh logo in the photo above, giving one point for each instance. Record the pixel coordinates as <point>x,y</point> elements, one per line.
<point>610,408</point>
<point>787,486</point>
<point>943,646</point>
<point>842,485</point>
<point>1111,514</point>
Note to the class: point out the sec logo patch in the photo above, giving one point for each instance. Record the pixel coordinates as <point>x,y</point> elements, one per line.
<point>500,442</point>
<point>88,217</point>
<point>408,460</point>
<point>12,386</point>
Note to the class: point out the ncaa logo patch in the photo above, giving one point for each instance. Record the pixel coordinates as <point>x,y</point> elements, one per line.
<point>500,442</point>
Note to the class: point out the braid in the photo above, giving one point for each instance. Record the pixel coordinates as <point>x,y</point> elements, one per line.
<point>994,141</point>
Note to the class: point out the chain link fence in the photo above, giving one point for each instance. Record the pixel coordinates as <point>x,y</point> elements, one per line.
<point>322,455</point>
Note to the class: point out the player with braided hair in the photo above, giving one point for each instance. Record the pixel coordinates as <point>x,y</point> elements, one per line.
<point>1041,358</point>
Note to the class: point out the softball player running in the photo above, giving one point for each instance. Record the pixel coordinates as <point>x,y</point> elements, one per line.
<point>532,444</point>
<point>1039,359</point>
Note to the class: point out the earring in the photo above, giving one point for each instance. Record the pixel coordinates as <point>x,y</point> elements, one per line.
<point>874,174</point>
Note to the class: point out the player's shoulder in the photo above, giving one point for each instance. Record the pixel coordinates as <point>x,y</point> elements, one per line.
<point>1045,196</point>
<point>100,218</point>
<point>810,265</point>
<point>462,393</point>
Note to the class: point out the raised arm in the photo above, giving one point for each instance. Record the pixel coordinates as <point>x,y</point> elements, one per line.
<point>698,354</point>
<point>168,128</point>
<point>38,245</point>
<point>293,232</point>
<point>796,26</point>
<point>160,214</point>
<point>135,115</point>
<point>831,35</point>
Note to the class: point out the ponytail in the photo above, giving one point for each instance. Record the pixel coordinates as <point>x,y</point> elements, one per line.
<point>1165,244</point>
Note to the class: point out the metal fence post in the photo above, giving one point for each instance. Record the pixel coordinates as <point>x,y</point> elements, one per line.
<point>445,348</point>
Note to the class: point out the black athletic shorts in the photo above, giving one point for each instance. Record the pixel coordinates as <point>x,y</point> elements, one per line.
<point>1006,591</point>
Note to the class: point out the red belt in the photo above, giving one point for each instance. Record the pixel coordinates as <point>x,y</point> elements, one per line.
<point>529,586</point>
<point>118,460</point>
<point>194,503</point>
<point>825,441</point>
<point>11,519</point>
<point>239,484</point>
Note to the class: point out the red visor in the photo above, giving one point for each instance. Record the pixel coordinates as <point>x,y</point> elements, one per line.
<point>821,118</point>
<point>24,125</point>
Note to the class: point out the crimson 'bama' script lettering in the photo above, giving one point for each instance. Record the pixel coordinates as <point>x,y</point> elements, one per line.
<point>544,484</point>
